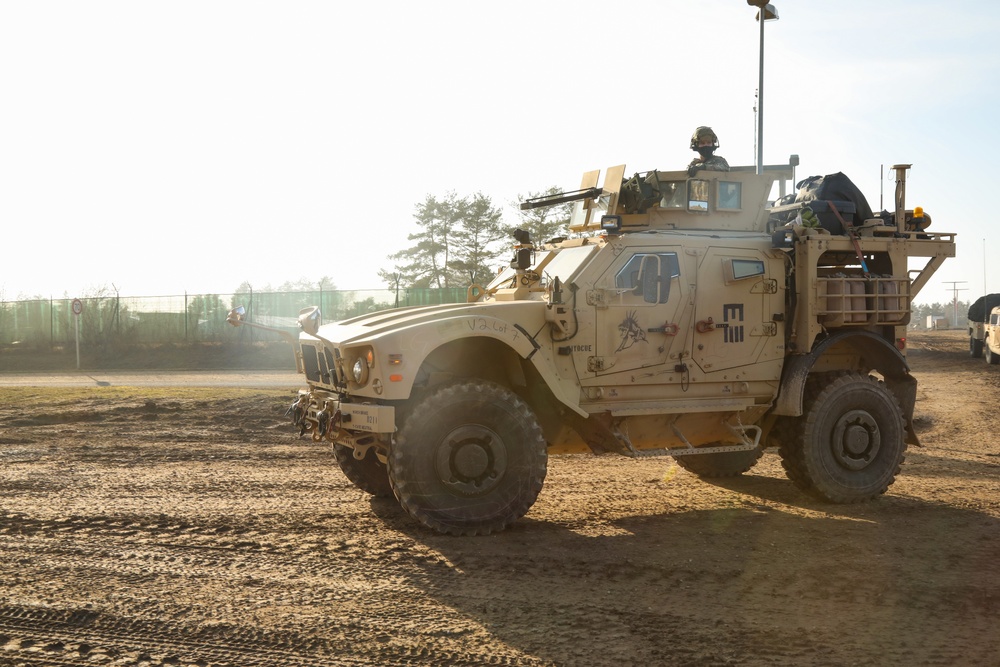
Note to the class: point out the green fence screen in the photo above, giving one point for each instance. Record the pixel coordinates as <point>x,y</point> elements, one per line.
<point>192,318</point>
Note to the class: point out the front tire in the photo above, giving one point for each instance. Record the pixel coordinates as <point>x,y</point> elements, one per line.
<point>851,440</point>
<point>469,459</point>
<point>991,356</point>
<point>368,474</point>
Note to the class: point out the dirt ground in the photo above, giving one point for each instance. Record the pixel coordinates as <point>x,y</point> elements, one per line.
<point>191,526</point>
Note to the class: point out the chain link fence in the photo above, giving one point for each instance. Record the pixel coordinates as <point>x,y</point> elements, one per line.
<point>191,318</point>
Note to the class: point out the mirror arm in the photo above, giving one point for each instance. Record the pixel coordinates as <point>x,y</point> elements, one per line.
<point>285,335</point>
<point>236,315</point>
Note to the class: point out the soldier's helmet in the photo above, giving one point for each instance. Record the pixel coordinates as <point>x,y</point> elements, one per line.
<point>703,131</point>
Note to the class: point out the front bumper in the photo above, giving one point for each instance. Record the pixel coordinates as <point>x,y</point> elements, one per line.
<point>325,415</point>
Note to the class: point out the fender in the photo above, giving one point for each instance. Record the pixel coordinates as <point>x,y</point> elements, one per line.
<point>464,326</point>
<point>876,354</point>
<point>527,349</point>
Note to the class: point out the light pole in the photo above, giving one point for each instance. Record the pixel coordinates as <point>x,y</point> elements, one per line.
<point>767,13</point>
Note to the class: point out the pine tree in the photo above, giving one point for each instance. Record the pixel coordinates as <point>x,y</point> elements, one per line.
<point>477,241</point>
<point>457,244</point>
<point>425,264</point>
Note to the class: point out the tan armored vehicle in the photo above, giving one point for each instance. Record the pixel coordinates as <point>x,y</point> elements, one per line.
<point>979,320</point>
<point>686,318</point>
<point>991,337</point>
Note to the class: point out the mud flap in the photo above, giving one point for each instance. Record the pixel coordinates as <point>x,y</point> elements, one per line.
<point>904,388</point>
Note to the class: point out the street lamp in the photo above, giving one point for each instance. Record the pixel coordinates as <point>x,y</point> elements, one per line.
<point>769,13</point>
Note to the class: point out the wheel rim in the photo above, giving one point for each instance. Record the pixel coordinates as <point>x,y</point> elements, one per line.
<point>471,460</point>
<point>856,440</point>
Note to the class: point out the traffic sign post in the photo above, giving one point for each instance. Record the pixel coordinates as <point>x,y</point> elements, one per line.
<point>77,311</point>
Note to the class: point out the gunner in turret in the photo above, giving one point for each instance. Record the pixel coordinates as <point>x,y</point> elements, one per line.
<point>705,142</point>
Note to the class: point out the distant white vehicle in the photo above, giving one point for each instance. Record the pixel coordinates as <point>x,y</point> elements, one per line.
<point>991,337</point>
<point>979,315</point>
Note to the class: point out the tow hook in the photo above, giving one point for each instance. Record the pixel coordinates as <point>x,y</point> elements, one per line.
<point>322,423</point>
<point>297,414</point>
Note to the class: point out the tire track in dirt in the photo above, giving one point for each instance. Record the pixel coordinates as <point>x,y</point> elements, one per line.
<point>163,560</point>
<point>208,536</point>
<point>83,637</point>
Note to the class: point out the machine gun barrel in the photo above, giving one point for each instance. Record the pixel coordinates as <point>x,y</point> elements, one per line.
<point>560,198</point>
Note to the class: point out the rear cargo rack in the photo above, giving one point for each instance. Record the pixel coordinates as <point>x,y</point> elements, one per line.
<point>845,300</point>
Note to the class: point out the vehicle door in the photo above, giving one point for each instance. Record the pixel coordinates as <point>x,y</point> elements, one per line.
<point>638,302</point>
<point>736,298</point>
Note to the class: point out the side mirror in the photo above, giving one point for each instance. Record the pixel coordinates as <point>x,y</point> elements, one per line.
<point>236,316</point>
<point>309,319</point>
<point>655,273</point>
<point>649,278</point>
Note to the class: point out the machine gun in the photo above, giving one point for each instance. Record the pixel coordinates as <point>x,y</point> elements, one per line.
<point>557,198</point>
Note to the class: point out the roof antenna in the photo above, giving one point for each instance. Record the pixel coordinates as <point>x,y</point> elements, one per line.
<point>881,185</point>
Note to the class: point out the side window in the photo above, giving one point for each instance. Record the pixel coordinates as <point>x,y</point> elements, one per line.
<point>649,275</point>
<point>730,196</point>
<point>698,195</point>
<point>673,194</point>
<point>741,269</point>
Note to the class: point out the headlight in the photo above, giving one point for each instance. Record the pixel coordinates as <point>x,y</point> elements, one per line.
<point>361,367</point>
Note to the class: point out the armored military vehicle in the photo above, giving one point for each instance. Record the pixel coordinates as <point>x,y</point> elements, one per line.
<point>686,316</point>
<point>979,318</point>
<point>991,337</point>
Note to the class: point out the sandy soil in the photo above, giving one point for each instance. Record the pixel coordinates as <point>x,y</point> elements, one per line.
<point>191,526</point>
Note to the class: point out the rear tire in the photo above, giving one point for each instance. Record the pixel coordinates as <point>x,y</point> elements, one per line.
<point>851,440</point>
<point>790,451</point>
<point>975,348</point>
<point>469,459</point>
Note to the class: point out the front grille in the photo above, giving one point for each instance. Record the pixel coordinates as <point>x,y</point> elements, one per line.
<point>310,362</point>
<point>332,376</point>
<point>319,364</point>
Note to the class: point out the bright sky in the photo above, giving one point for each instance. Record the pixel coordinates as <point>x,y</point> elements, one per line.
<point>164,147</point>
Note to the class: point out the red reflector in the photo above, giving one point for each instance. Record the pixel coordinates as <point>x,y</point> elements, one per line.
<point>901,343</point>
<point>395,378</point>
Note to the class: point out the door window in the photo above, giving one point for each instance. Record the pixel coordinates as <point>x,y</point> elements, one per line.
<point>649,275</point>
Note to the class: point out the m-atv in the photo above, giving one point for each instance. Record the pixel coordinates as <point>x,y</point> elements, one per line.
<point>686,317</point>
